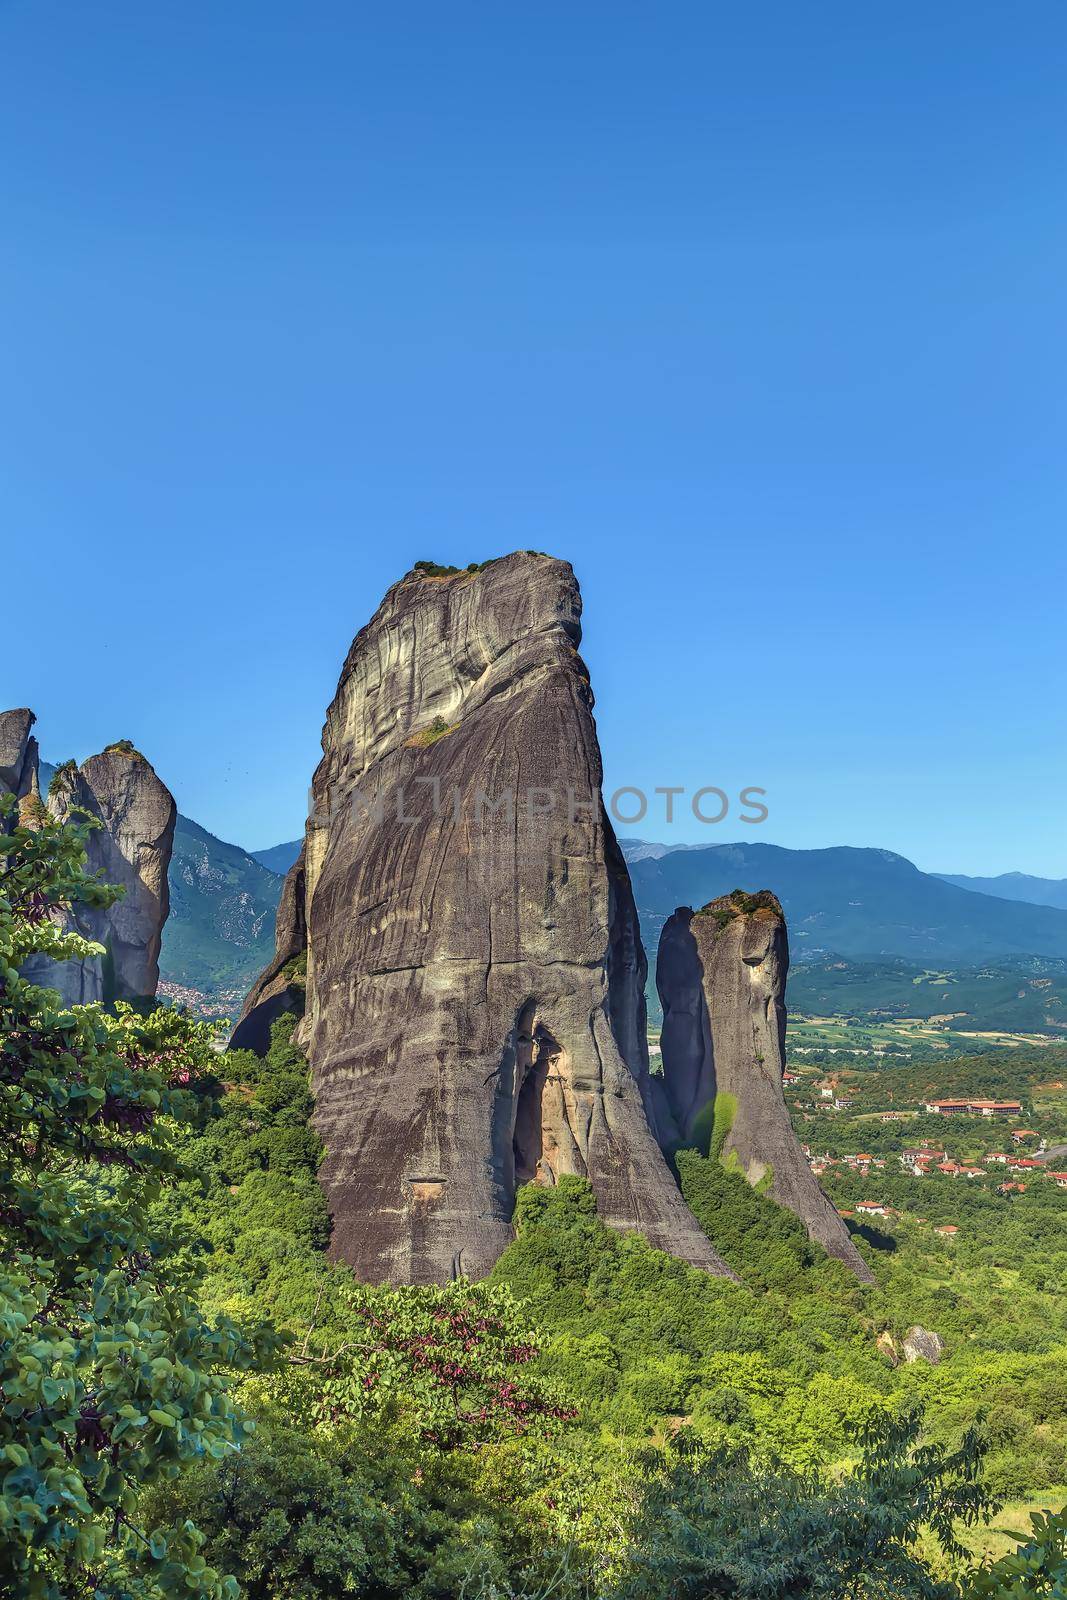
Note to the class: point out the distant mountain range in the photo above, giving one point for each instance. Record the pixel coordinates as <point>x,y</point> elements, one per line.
<point>862,904</point>
<point>220,932</point>
<point>280,857</point>
<point>1014,886</point>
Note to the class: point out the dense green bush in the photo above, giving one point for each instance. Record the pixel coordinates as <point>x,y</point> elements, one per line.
<point>713,1526</point>
<point>368,1511</point>
<point>112,1378</point>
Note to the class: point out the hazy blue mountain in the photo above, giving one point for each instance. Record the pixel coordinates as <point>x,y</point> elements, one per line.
<point>862,904</point>
<point>1014,886</point>
<point>280,857</point>
<point>650,849</point>
<point>220,932</point>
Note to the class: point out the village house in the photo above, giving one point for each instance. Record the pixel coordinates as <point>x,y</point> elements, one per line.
<point>1008,1188</point>
<point>919,1162</point>
<point>948,1230</point>
<point>1060,1178</point>
<point>790,1077</point>
<point>977,1108</point>
<point>1022,1133</point>
<point>872,1208</point>
<point>1023,1164</point>
<point>998,1156</point>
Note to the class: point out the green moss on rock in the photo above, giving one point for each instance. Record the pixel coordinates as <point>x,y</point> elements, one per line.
<point>438,729</point>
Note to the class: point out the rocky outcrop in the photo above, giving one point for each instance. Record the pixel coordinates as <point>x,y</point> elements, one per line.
<point>919,1344</point>
<point>280,987</point>
<point>721,977</point>
<point>131,848</point>
<point>18,753</point>
<point>886,1346</point>
<point>475,1009</point>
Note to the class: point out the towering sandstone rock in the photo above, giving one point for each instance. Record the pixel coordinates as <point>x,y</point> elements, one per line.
<point>131,848</point>
<point>18,753</point>
<point>721,977</point>
<point>475,1010</point>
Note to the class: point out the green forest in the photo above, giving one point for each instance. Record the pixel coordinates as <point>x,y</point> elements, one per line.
<point>199,1403</point>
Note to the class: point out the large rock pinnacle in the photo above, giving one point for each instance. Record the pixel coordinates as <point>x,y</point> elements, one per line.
<point>18,752</point>
<point>721,976</point>
<point>131,848</point>
<point>475,1012</point>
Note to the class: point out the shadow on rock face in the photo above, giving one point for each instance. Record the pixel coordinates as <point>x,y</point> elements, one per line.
<point>685,1041</point>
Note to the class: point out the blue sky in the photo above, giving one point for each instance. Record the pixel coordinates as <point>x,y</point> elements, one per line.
<point>756,314</point>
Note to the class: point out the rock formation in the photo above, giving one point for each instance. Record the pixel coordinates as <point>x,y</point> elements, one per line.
<point>18,753</point>
<point>886,1346</point>
<point>131,848</point>
<point>280,987</point>
<point>721,977</point>
<point>475,1009</point>
<point>919,1344</point>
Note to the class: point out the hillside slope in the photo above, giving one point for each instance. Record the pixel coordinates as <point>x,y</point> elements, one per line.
<point>221,925</point>
<point>280,857</point>
<point>1014,886</point>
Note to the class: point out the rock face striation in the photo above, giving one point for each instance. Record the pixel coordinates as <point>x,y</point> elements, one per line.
<point>131,848</point>
<point>475,1010</point>
<point>721,976</point>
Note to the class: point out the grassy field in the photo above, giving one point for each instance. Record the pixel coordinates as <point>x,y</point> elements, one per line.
<point>995,1538</point>
<point>902,1035</point>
